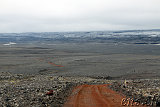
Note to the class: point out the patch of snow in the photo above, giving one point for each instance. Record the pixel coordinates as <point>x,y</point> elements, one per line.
<point>10,43</point>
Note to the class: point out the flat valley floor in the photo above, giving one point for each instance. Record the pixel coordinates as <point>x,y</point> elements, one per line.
<point>82,59</point>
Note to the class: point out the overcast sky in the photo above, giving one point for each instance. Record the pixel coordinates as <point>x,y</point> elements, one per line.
<point>78,15</point>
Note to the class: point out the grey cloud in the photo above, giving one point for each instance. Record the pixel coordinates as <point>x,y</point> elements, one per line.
<point>122,16</point>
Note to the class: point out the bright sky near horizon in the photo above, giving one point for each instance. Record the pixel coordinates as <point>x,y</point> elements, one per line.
<point>78,15</point>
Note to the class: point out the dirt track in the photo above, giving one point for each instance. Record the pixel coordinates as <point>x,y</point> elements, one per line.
<point>94,96</point>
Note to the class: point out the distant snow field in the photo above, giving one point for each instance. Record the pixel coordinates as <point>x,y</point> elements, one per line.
<point>10,43</point>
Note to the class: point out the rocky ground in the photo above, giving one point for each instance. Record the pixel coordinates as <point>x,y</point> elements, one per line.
<point>39,90</point>
<point>17,90</point>
<point>142,91</point>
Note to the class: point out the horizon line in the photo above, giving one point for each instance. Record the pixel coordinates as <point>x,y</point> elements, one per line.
<point>125,30</point>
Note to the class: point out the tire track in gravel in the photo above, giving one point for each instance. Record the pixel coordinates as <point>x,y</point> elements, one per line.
<point>94,96</point>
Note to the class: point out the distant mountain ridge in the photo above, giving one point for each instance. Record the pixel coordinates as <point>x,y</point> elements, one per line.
<point>124,36</point>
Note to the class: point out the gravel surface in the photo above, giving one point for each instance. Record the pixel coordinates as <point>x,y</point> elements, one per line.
<point>143,91</point>
<point>17,90</point>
